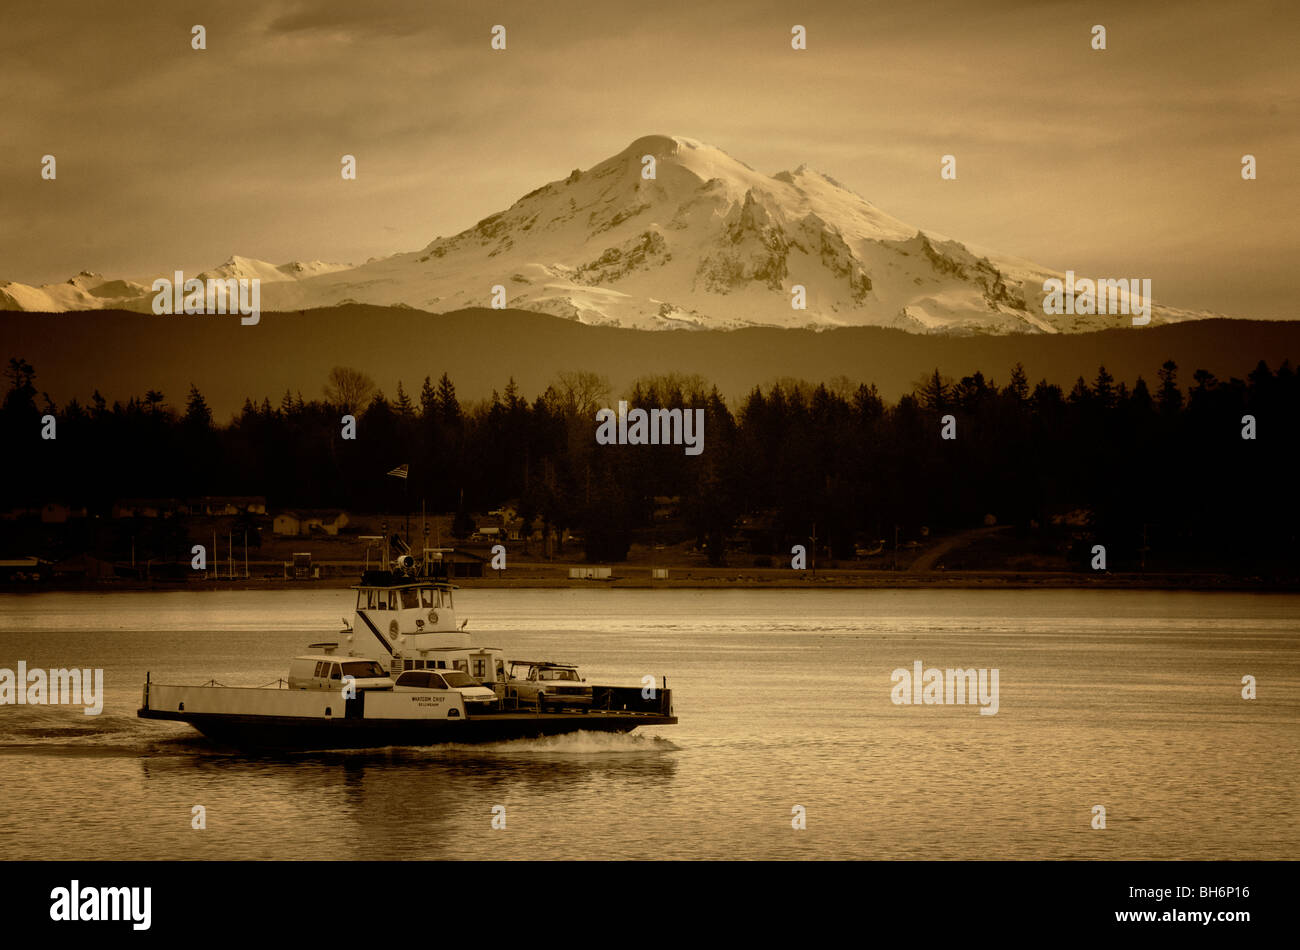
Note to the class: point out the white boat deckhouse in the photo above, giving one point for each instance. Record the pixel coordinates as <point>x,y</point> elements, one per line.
<point>408,608</point>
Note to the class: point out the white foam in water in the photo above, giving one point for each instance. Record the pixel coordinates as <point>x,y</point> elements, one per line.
<point>575,743</point>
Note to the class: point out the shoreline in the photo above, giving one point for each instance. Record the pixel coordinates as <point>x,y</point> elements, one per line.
<point>725,579</point>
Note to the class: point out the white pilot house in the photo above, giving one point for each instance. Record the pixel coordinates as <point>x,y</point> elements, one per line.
<point>411,613</point>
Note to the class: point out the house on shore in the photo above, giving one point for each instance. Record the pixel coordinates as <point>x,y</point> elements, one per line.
<point>58,513</point>
<point>298,523</point>
<point>148,508</point>
<point>218,505</point>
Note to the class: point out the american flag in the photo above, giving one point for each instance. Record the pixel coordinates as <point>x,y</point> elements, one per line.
<point>401,471</point>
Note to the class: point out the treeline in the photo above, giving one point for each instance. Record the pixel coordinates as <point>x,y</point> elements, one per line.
<point>1160,474</point>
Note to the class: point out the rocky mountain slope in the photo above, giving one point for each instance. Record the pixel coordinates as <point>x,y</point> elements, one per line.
<point>707,242</point>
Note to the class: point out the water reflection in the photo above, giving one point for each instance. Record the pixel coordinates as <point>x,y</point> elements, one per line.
<point>434,802</point>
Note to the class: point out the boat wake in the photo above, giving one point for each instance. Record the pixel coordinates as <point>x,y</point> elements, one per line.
<point>53,730</point>
<point>573,743</point>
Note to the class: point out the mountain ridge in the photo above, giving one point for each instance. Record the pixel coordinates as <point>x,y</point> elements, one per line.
<point>669,232</point>
<point>124,353</point>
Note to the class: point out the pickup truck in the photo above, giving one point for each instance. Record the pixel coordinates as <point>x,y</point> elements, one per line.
<point>547,685</point>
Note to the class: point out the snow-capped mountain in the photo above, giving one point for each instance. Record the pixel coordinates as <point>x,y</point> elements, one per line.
<point>89,291</point>
<point>706,242</point>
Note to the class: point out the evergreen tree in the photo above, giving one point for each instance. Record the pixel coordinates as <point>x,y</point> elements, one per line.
<point>1019,385</point>
<point>428,401</point>
<point>447,401</point>
<point>1170,398</point>
<point>197,413</point>
<point>1103,389</point>
<point>933,392</point>
<point>403,405</point>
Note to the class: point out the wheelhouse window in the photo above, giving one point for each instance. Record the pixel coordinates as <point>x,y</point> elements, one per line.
<point>428,597</point>
<point>410,598</point>
<point>334,672</point>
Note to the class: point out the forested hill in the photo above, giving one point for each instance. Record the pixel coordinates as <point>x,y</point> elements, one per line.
<point>1178,467</point>
<point>124,354</point>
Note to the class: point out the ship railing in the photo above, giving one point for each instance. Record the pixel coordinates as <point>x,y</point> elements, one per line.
<point>631,699</point>
<point>279,684</point>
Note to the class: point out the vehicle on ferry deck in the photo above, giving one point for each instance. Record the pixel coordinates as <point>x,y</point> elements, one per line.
<point>474,696</point>
<point>547,684</point>
<point>318,671</point>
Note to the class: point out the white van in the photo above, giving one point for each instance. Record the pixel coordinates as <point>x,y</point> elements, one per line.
<point>327,672</point>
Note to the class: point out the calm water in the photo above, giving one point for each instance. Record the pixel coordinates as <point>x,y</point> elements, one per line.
<point>1129,700</point>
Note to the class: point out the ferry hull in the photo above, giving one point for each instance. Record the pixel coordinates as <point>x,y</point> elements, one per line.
<point>292,732</point>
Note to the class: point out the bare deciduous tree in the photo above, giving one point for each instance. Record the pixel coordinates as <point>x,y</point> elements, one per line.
<point>349,389</point>
<point>580,393</point>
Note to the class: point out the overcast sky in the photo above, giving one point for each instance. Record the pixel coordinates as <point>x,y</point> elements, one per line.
<point>1120,163</point>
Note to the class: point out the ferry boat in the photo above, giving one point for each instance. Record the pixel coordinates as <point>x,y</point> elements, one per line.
<point>406,672</point>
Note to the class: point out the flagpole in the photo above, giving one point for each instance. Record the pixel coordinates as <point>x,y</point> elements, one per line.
<point>403,472</point>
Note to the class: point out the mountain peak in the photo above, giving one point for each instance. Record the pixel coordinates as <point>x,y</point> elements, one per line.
<point>703,240</point>
<point>660,146</point>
